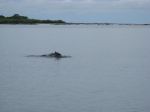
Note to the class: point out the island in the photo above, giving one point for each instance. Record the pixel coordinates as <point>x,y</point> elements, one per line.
<point>18,19</point>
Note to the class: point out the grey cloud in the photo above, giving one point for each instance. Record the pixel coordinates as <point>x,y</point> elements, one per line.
<point>78,3</point>
<point>69,6</point>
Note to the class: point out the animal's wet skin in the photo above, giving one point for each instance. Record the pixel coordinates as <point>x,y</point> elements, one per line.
<point>51,55</point>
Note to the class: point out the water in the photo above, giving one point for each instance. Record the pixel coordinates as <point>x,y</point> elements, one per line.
<point>109,70</point>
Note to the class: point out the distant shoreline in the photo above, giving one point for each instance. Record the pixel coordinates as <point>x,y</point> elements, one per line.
<point>17,19</point>
<point>105,24</point>
<point>66,23</point>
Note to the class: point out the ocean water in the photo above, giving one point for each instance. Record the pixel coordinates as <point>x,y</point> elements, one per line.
<point>109,70</point>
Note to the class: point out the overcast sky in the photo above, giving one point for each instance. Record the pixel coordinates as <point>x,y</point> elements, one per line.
<point>118,11</point>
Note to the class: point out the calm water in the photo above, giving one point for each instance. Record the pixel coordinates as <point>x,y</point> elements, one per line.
<point>109,70</point>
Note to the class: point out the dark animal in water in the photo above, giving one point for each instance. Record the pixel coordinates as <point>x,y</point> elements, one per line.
<point>51,55</point>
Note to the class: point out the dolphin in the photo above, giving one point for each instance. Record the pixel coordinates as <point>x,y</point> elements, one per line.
<point>51,55</point>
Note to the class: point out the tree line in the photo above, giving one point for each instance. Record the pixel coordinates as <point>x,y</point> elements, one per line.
<point>18,19</point>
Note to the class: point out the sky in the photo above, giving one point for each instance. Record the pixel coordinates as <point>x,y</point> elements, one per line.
<point>113,11</point>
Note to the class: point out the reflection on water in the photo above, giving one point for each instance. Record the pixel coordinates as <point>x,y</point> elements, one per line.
<point>108,72</point>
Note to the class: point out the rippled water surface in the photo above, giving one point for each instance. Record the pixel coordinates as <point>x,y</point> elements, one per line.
<point>109,70</point>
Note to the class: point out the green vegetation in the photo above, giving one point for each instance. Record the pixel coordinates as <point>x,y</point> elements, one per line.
<point>17,19</point>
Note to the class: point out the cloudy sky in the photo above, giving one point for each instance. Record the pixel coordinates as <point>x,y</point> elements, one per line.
<point>118,11</point>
